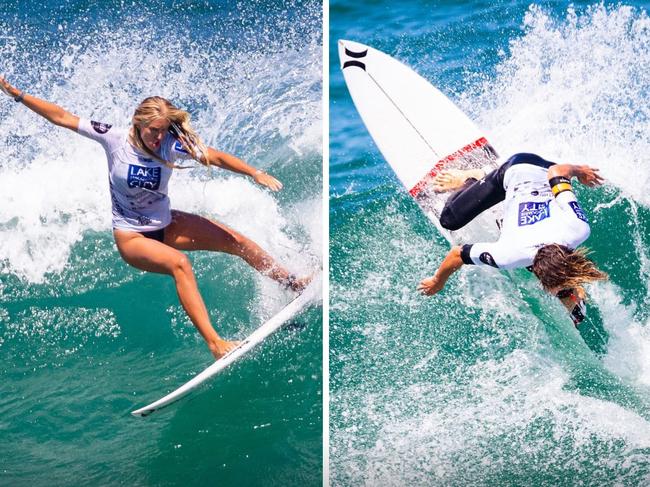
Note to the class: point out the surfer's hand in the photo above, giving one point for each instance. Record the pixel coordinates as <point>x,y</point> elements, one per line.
<point>299,284</point>
<point>7,88</point>
<point>453,179</point>
<point>267,180</point>
<point>220,347</point>
<point>431,286</point>
<point>588,176</point>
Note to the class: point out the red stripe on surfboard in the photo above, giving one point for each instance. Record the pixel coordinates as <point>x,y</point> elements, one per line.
<point>443,162</point>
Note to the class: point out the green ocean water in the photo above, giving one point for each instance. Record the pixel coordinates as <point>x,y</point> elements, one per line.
<point>489,383</point>
<point>84,338</point>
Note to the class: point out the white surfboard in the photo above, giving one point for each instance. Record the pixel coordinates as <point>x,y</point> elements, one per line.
<point>418,130</point>
<point>308,296</point>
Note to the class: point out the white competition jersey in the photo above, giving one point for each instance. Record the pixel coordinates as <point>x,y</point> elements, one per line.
<point>532,218</point>
<point>138,183</point>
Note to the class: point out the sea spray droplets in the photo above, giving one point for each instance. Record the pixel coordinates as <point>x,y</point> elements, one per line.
<point>388,337</point>
<point>247,101</point>
<point>492,403</point>
<point>576,89</point>
<point>56,332</point>
<point>629,343</point>
<point>459,431</point>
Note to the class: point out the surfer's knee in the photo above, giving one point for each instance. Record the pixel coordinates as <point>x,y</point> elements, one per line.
<point>181,266</point>
<point>449,221</point>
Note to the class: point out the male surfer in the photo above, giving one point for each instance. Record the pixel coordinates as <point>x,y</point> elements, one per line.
<point>542,227</point>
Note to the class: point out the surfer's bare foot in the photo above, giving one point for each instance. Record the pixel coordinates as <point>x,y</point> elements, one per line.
<point>220,347</point>
<point>452,179</point>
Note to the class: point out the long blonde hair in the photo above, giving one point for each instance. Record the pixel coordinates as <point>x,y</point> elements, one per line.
<point>156,107</point>
<point>557,266</point>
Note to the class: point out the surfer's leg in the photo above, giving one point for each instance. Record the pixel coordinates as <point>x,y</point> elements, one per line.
<point>150,255</point>
<point>194,232</point>
<point>473,198</point>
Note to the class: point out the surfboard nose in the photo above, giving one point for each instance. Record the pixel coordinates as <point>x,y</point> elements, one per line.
<point>342,43</point>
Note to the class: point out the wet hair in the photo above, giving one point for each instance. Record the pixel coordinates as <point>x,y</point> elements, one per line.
<point>557,266</point>
<point>156,107</point>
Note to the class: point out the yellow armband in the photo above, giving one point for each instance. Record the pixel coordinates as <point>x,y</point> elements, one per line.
<point>560,184</point>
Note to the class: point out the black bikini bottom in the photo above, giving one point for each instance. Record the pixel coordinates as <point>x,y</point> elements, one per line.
<point>155,235</point>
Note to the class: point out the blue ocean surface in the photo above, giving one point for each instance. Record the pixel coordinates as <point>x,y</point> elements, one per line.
<point>489,383</point>
<point>84,338</point>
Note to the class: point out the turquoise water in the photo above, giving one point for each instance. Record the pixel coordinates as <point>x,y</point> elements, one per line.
<point>84,338</point>
<point>488,383</point>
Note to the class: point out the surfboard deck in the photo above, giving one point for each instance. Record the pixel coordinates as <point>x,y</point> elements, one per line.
<point>302,301</point>
<point>420,132</point>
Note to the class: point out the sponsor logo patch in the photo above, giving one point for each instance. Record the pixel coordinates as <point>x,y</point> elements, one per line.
<point>486,258</point>
<point>143,177</point>
<point>100,128</point>
<point>578,211</point>
<point>533,212</point>
<point>178,147</point>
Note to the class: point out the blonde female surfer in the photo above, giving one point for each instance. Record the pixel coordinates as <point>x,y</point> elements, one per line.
<point>149,234</point>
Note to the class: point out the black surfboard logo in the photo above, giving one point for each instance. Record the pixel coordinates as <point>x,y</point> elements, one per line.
<point>354,62</point>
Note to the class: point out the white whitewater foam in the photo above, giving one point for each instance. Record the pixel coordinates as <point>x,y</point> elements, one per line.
<point>575,90</point>
<point>54,183</point>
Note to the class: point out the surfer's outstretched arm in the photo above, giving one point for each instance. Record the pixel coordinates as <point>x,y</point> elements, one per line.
<point>50,111</point>
<point>235,164</point>
<point>586,175</point>
<point>451,263</point>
